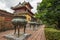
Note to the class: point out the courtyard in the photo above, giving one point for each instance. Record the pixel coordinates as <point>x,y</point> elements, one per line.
<point>35,35</point>
<point>29,19</point>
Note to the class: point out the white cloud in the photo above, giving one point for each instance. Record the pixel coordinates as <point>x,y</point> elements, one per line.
<point>6,4</point>
<point>34,4</point>
<point>3,6</point>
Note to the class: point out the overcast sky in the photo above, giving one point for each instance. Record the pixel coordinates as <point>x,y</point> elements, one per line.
<point>7,4</point>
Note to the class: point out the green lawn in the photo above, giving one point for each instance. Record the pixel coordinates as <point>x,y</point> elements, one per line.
<point>52,34</point>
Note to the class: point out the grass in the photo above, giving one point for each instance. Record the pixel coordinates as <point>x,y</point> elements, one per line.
<point>52,34</point>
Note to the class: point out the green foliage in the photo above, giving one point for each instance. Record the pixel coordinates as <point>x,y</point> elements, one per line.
<point>49,11</point>
<point>52,34</point>
<point>50,26</point>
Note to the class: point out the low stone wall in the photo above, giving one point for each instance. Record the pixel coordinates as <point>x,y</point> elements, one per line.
<point>5,26</point>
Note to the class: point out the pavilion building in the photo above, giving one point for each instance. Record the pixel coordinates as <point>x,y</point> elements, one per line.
<point>24,9</point>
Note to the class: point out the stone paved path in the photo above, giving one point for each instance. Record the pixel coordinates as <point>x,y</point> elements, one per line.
<point>12,31</point>
<point>36,35</point>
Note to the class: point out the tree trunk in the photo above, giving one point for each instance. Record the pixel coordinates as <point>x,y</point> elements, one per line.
<point>58,25</point>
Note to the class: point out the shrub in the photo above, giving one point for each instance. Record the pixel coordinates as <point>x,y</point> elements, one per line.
<point>52,34</point>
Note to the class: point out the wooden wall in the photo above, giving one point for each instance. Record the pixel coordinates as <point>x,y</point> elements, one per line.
<point>5,20</point>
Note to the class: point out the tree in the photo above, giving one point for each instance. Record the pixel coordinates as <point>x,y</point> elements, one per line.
<point>49,11</point>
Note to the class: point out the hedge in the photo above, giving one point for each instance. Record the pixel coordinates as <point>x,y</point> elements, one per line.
<point>52,34</point>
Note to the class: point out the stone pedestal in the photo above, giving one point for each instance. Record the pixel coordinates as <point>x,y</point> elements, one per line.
<point>13,37</point>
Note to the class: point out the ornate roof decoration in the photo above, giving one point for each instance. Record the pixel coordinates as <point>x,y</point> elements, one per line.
<point>26,3</point>
<point>21,5</point>
<point>17,6</point>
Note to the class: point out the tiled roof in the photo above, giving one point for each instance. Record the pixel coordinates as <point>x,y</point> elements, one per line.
<point>17,6</point>
<point>23,5</point>
<point>5,12</point>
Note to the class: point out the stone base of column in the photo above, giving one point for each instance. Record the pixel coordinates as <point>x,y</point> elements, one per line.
<point>14,37</point>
